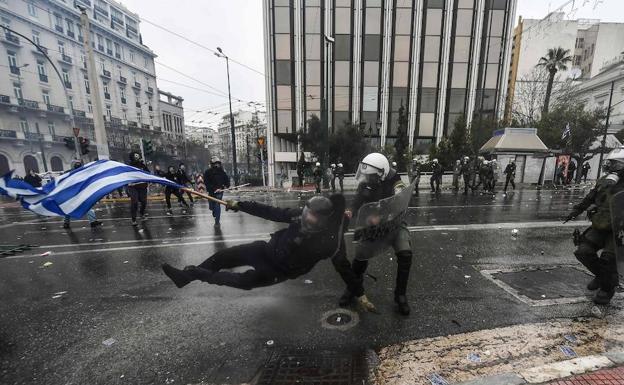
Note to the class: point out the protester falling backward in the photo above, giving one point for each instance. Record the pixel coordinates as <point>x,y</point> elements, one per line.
<point>314,233</point>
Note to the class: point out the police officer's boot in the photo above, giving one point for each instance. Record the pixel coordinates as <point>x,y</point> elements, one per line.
<point>404,263</point>
<point>594,284</point>
<point>346,299</point>
<point>603,297</point>
<point>608,278</point>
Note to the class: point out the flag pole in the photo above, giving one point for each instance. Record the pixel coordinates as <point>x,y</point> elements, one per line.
<point>210,198</point>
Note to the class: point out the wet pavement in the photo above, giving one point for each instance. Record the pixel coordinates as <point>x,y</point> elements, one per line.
<point>92,305</point>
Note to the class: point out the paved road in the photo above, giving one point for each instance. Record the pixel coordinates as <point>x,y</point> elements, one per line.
<point>107,284</point>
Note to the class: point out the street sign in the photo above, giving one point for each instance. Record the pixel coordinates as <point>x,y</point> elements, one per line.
<point>76,131</point>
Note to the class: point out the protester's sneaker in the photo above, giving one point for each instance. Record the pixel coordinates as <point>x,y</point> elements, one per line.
<point>603,297</point>
<point>217,224</point>
<point>403,305</point>
<point>594,284</point>
<point>96,223</point>
<point>181,278</point>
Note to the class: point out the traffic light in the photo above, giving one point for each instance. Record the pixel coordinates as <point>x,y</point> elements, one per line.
<point>69,142</point>
<point>84,145</point>
<point>148,147</point>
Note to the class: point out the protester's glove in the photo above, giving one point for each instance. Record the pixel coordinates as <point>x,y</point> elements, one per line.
<point>571,216</point>
<point>232,205</point>
<point>366,305</point>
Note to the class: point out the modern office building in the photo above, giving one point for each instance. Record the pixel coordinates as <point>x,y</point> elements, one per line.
<point>36,103</point>
<point>440,59</point>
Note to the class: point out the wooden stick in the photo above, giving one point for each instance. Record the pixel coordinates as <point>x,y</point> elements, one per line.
<point>188,190</point>
<point>235,187</point>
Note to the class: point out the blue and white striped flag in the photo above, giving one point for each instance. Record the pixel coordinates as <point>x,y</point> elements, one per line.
<point>76,192</point>
<point>566,132</point>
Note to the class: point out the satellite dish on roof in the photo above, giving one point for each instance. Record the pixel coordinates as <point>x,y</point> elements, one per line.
<point>575,73</point>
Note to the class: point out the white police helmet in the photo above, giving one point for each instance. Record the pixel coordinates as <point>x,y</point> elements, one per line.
<point>373,168</point>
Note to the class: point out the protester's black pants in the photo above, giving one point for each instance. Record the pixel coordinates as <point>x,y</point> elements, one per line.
<point>253,254</point>
<point>177,193</point>
<point>510,180</point>
<point>138,195</point>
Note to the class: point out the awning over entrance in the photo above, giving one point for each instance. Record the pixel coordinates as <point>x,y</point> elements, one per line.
<point>514,140</point>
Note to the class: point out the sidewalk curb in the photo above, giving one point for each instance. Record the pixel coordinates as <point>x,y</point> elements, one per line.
<point>554,371</point>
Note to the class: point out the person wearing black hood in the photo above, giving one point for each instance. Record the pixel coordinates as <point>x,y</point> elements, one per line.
<point>137,191</point>
<point>173,176</point>
<point>184,180</point>
<point>216,181</point>
<point>33,179</point>
<point>314,233</point>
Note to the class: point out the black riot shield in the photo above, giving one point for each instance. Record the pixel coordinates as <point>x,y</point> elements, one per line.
<point>617,225</point>
<point>375,220</point>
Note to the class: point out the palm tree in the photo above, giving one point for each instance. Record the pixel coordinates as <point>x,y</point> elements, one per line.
<point>555,60</point>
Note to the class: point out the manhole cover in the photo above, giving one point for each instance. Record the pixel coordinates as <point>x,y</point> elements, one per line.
<point>339,319</point>
<point>313,369</point>
<point>544,285</point>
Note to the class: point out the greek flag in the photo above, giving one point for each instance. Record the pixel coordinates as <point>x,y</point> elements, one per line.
<point>566,131</point>
<point>74,193</point>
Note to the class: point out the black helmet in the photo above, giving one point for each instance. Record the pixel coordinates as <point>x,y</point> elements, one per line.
<point>316,214</point>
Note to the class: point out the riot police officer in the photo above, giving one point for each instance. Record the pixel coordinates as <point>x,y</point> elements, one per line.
<point>377,180</point>
<point>599,236</point>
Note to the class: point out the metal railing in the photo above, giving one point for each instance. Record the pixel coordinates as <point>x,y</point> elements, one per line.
<point>150,90</point>
<point>8,134</point>
<point>106,73</point>
<point>123,79</point>
<point>80,113</point>
<point>53,108</point>
<point>28,103</point>
<point>15,70</point>
<point>13,39</point>
<point>66,58</point>
<point>137,85</point>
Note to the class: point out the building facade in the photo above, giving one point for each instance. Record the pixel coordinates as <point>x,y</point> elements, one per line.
<point>248,127</point>
<point>440,59</point>
<point>595,92</point>
<point>592,44</point>
<point>37,104</point>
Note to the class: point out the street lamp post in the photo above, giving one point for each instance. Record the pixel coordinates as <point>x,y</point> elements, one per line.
<point>227,65</point>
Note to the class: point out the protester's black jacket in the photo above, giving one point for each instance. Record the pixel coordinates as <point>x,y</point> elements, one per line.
<point>33,180</point>
<point>216,178</point>
<point>141,166</point>
<point>293,252</point>
<point>182,178</point>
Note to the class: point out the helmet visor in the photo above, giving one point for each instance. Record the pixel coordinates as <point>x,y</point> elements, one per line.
<point>368,174</point>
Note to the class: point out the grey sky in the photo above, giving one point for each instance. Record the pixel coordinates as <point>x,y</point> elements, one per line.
<point>236,27</point>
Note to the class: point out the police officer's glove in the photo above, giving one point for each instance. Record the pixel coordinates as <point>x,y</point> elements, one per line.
<point>366,305</point>
<point>232,205</point>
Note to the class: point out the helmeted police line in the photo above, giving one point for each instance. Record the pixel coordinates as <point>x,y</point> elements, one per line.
<point>604,205</point>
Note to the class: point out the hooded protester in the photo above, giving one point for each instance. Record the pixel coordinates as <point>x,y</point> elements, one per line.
<point>183,179</point>
<point>137,191</point>
<point>173,176</point>
<point>314,233</point>
<point>216,181</point>
<point>33,179</point>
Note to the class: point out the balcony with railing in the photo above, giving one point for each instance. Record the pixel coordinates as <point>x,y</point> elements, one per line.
<point>43,78</point>
<point>109,52</point>
<point>28,103</point>
<point>137,85</point>
<point>122,79</point>
<point>66,58</point>
<point>15,70</point>
<point>40,50</point>
<point>150,90</point>
<point>8,134</point>
<point>33,136</point>
<point>137,104</point>
<point>150,108</point>
<point>133,124</point>
<point>58,28</point>
<point>106,73</point>
<point>80,113</point>
<point>11,39</point>
<point>101,10</point>
<point>71,34</point>
<point>5,99</point>
<point>57,109</point>
<point>145,126</point>
<point>100,48</point>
